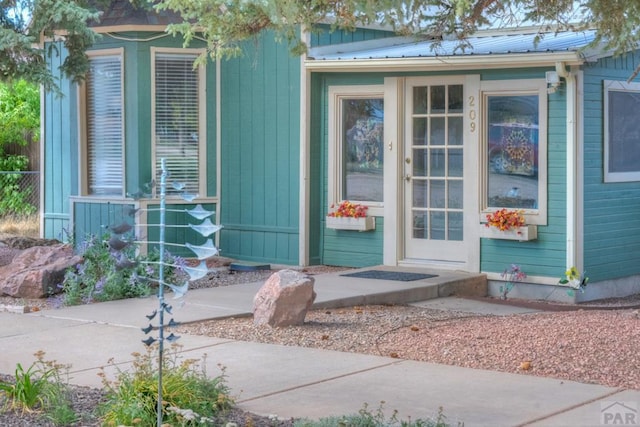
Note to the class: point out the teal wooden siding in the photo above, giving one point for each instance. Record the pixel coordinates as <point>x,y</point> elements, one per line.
<point>260,154</point>
<point>60,149</point>
<point>611,219</point>
<point>178,231</point>
<point>546,255</point>
<point>324,36</point>
<point>93,219</point>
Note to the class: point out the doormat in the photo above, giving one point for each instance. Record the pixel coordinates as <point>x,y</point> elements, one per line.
<point>389,275</point>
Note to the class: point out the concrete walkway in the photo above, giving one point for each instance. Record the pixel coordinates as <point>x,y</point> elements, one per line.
<point>303,382</point>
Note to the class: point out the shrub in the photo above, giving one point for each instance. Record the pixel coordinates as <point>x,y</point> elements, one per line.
<point>189,396</point>
<point>104,276</point>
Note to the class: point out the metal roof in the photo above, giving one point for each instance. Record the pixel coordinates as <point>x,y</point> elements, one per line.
<point>491,44</point>
<point>122,12</point>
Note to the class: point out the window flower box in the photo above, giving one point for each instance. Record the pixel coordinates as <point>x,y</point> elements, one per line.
<point>522,233</point>
<point>349,223</point>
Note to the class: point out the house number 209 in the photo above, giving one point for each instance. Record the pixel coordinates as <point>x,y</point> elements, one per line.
<point>472,114</point>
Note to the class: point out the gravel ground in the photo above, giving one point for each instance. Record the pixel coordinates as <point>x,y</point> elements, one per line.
<point>589,346</point>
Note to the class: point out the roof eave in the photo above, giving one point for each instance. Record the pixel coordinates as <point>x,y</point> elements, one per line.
<point>440,63</point>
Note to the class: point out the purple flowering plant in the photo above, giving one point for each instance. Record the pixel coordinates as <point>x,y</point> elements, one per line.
<point>102,276</point>
<point>512,274</point>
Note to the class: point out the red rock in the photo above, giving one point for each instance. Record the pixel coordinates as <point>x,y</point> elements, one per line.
<point>284,299</point>
<point>37,271</point>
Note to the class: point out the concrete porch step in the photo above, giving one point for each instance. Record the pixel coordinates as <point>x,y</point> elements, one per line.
<point>337,290</point>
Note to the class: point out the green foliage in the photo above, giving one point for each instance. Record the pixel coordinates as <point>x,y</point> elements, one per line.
<point>24,22</point>
<point>189,396</point>
<point>20,118</point>
<point>367,418</point>
<point>14,198</point>
<point>39,388</point>
<point>19,113</point>
<point>102,276</point>
<point>223,24</point>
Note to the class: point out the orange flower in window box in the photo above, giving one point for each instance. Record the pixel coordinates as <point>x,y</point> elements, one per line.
<point>508,224</point>
<point>350,216</point>
<point>349,210</point>
<point>505,219</point>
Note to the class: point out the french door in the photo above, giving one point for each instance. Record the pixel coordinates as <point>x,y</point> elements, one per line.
<point>438,117</point>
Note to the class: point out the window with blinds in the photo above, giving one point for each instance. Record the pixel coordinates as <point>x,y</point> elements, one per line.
<point>177,119</point>
<point>104,126</point>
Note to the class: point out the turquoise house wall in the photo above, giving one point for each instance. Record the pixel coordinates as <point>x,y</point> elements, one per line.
<point>337,247</point>
<point>91,218</point>
<point>611,219</point>
<point>324,37</point>
<point>544,256</point>
<point>177,234</point>
<point>60,152</point>
<point>260,171</point>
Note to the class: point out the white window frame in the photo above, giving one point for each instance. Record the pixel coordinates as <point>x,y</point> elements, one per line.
<point>513,88</point>
<point>336,164</point>
<point>616,86</point>
<point>83,126</point>
<point>202,115</point>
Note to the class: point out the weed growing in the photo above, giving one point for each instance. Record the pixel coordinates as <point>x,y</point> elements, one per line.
<point>189,396</point>
<point>368,418</point>
<point>39,388</point>
<point>20,225</point>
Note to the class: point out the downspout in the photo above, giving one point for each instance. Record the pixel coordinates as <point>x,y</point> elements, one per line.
<point>571,166</point>
<point>304,203</point>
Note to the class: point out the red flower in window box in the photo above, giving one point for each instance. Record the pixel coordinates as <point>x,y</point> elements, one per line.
<point>347,209</point>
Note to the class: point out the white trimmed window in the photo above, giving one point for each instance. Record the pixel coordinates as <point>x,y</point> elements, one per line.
<point>621,131</point>
<point>356,154</point>
<point>103,125</point>
<point>178,118</point>
<point>514,150</point>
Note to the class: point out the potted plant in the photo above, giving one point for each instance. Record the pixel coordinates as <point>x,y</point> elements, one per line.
<point>508,224</point>
<point>350,216</point>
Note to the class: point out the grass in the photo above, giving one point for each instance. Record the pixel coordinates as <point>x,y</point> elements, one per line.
<point>19,225</point>
<point>39,388</point>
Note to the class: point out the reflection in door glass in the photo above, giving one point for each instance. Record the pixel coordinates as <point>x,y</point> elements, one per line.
<point>363,152</point>
<point>455,226</point>
<point>438,99</point>
<point>420,221</point>
<point>437,226</point>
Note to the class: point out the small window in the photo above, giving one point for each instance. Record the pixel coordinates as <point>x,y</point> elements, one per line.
<point>356,145</point>
<point>179,134</point>
<point>103,125</point>
<point>622,131</point>
<point>515,148</point>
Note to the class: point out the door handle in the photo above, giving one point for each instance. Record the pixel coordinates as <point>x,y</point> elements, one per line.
<point>407,177</point>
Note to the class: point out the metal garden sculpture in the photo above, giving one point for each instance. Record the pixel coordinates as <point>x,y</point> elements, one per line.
<point>206,228</point>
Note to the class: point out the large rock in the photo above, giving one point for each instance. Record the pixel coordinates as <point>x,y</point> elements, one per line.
<point>284,299</point>
<point>37,271</point>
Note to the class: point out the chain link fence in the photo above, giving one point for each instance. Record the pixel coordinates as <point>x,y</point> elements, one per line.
<point>19,193</point>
